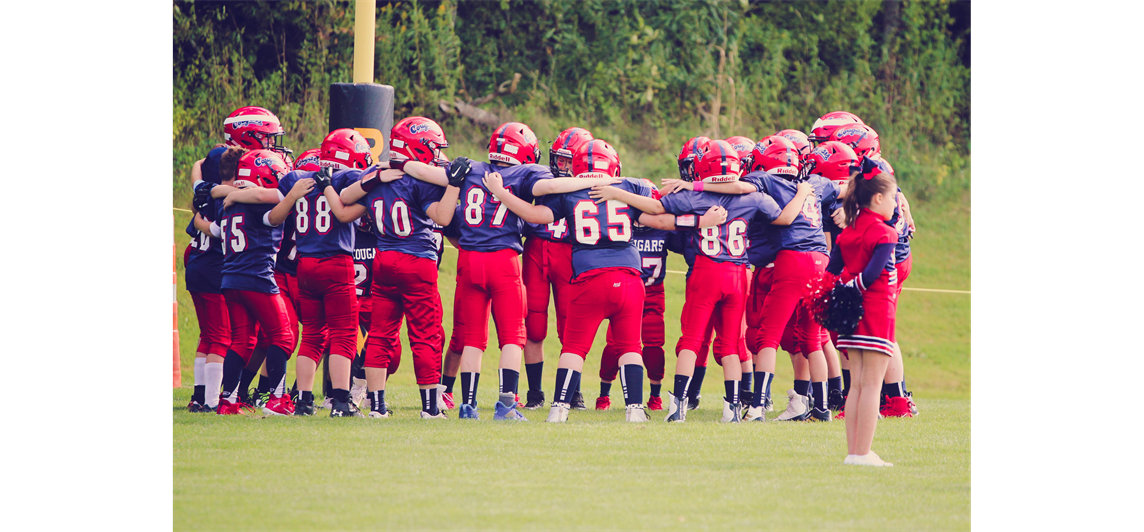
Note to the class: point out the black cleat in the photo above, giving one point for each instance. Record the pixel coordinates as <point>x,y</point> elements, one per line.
<point>819,415</point>
<point>578,402</point>
<point>340,409</point>
<point>535,399</point>
<point>746,398</point>
<point>304,408</point>
<point>259,399</point>
<point>835,400</point>
<point>195,407</point>
<point>693,402</point>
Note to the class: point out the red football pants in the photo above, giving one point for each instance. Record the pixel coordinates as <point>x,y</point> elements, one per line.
<point>214,323</point>
<point>792,271</point>
<point>405,286</point>
<point>744,353</point>
<point>546,264</point>
<point>326,301</point>
<point>249,311</point>
<point>716,293</point>
<point>651,334</point>
<point>615,294</point>
<point>760,287</point>
<point>490,281</point>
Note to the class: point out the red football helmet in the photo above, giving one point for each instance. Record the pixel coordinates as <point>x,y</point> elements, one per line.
<point>253,128</point>
<point>417,138</point>
<point>862,138</point>
<point>308,161</point>
<point>720,163</point>
<point>832,160</point>
<point>776,155</point>
<point>566,143</point>
<point>743,147</point>
<point>595,158</point>
<point>692,150</point>
<point>800,140</point>
<point>344,149</point>
<point>260,167</point>
<point>514,143</point>
<point>826,125</point>
<point>883,160</point>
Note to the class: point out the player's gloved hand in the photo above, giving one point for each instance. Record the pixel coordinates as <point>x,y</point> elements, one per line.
<point>458,169</point>
<point>202,197</point>
<point>322,179</point>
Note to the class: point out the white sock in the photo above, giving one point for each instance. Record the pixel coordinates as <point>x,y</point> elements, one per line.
<point>199,362</point>
<point>213,373</point>
<point>281,388</point>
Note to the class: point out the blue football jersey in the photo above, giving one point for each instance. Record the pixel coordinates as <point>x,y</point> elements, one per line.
<point>486,223</point>
<point>320,233</point>
<point>249,248</point>
<point>287,261</point>
<point>554,232</point>
<point>805,233</point>
<point>209,170</point>
<point>365,247</point>
<point>398,210</point>
<point>204,242</point>
<point>899,223</point>
<point>602,234</point>
<point>765,243</point>
<point>652,246</point>
<point>727,242</point>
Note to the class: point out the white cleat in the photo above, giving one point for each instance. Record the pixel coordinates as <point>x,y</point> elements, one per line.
<point>378,415</point>
<point>730,412</point>
<point>635,414</point>
<point>798,409</point>
<point>358,392</point>
<point>755,413</point>
<point>558,413</point>
<point>871,459</point>
<point>327,404</point>
<point>425,415</point>
<point>676,409</point>
<point>441,404</point>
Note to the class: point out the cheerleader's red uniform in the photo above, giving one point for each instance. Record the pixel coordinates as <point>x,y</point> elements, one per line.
<point>864,255</point>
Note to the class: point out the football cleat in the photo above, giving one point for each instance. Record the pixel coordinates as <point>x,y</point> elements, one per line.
<point>444,400</point>
<point>755,413</point>
<point>279,406</point>
<point>259,399</point>
<point>835,400</point>
<point>535,399</point>
<point>730,412</point>
<point>870,459</point>
<point>841,414</point>
<point>819,415</point>
<point>768,404</point>
<point>206,409</point>
<point>304,408</point>
<point>654,403</point>
<point>913,407</point>
<point>447,398</point>
<point>503,412</point>
<point>746,398</point>
<point>427,415</point>
<point>603,402</point>
<point>378,415</point>
<point>693,402</point>
<point>194,406</point>
<point>358,392</point>
<point>635,413</point>
<point>468,411</point>
<point>558,413</point>
<point>227,408</point>
<point>578,402</point>
<point>798,407</point>
<point>676,409</point>
<point>327,403</point>
<point>896,407</point>
<point>345,409</point>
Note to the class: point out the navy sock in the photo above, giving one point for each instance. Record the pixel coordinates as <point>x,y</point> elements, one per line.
<point>655,388</point>
<point>358,366</point>
<point>244,382</point>
<point>819,394</point>
<point>834,384</point>
<point>231,372</point>
<point>904,390</point>
<point>696,382</point>
<point>377,401</point>
<point>307,397</point>
<point>845,382</point>
<point>276,364</point>
<point>770,379</point>
<point>429,401</point>
<point>802,387</point>
<point>469,383</point>
<point>508,380</point>
<point>567,382</point>
<point>535,373</point>
<point>681,382</point>
<point>745,384</point>
<point>631,380</point>
<point>892,389</point>
<point>264,385</point>
<point>200,393</point>
<point>605,388</point>
<point>761,381</point>
<point>732,389</point>
<point>448,382</point>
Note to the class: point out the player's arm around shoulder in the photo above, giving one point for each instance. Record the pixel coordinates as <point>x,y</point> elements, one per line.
<point>533,214</point>
<point>608,192</point>
<point>791,210</point>
<point>285,203</point>
<point>716,215</point>
<point>671,186</point>
<point>344,213</point>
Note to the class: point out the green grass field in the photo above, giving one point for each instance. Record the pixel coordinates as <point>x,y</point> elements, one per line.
<point>597,472</point>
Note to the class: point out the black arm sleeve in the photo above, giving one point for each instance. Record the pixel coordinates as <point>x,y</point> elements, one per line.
<point>835,265</point>
<point>882,257</point>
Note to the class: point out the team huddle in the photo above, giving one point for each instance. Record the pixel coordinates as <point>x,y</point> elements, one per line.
<point>339,243</point>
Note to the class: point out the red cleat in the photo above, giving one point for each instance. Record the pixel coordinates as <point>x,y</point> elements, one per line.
<point>896,407</point>
<point>655,403</point>
<point>448,399</point>
<point>227,408</point>
<point>841,414</point>
<point>279,406</point>
<point>603,403</point>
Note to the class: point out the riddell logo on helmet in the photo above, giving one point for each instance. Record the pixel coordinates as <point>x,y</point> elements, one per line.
<point>784,170</point>
<point>418,128</point>
<point>501,158</point>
